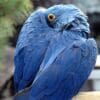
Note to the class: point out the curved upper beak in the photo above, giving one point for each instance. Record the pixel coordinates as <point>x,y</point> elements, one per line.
<point>63,22</point>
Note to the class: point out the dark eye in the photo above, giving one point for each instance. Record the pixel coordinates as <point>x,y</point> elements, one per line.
<point>51,17</point>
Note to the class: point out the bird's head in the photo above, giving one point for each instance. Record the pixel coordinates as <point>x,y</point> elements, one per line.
<point>68,18</point>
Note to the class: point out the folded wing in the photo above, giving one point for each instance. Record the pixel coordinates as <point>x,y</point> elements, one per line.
<point>66,75</point>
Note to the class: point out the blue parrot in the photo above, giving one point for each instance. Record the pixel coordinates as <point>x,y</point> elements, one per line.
<point>54,54</point>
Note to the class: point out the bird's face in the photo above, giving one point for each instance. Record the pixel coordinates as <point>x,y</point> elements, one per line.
<point>66,18</point>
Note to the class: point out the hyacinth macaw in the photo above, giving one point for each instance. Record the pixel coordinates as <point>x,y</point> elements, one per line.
<point>54,54</point>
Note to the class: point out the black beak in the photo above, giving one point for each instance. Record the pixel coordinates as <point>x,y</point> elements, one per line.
<point>66,27</point>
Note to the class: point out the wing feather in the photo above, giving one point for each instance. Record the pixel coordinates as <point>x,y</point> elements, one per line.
<point>30,50</point>
<point>67,73</point>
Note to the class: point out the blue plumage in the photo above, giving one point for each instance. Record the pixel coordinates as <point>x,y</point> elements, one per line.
<point>54,55</point>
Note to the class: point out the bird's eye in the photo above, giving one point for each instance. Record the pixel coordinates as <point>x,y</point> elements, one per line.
<point>51,17</point>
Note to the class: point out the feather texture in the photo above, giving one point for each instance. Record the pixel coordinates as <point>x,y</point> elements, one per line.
<point>53,59</point>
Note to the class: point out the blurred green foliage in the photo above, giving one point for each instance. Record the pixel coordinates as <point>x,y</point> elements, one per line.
<point>12,7</point>
<point>11,12</point>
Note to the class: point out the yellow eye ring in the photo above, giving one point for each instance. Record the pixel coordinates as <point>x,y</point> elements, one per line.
<point>51,17</point>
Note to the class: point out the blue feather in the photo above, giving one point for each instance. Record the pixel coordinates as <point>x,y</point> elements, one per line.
<point>54,58</point>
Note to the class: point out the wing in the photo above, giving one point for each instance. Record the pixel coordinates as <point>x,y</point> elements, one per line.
<point>66,75</point>
<point>30,50</point>
<point>27,63</point>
